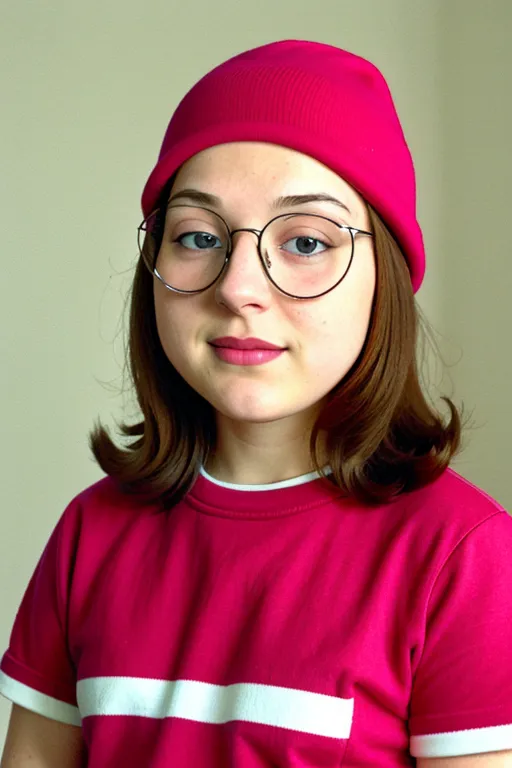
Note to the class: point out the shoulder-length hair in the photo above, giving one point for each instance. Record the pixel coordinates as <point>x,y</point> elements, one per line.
<point>381,435</point>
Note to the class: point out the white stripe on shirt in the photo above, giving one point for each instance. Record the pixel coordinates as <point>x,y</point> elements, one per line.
<point>207,703</point>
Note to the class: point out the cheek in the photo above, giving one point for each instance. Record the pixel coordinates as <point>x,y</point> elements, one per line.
<point>171,327</point>
<point>333,334</point>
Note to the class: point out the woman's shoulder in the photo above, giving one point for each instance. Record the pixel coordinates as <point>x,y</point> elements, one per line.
<point>451,507</point>
<point>105,491</point>
<point>103,505</point>
<point>455,492</point>
<point>108,493</point>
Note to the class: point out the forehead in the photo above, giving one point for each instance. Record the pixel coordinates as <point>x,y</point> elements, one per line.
<point>261,168</point>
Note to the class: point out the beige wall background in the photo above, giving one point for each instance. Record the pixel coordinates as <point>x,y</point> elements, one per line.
<point>86,92</point>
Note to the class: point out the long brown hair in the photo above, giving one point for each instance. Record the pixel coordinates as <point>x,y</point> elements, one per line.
<point>382,436</point>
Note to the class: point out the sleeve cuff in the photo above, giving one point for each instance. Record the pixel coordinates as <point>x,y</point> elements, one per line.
<point>38,702</point>
<point>467,742</point>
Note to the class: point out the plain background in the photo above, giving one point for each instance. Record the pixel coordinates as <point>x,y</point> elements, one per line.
<point>87,90</point>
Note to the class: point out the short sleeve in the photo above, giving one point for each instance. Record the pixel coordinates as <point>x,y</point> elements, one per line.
<point>37,671</point>
<point>461,699</point>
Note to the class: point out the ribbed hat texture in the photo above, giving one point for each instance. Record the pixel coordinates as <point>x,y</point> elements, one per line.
<point>314,98</point>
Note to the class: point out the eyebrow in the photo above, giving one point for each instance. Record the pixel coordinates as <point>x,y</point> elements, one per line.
<point>285,201</point>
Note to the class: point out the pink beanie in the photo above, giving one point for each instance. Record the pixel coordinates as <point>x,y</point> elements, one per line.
<point>314,98</point>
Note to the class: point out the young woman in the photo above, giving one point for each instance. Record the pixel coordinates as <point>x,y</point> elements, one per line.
<point>280,568</point>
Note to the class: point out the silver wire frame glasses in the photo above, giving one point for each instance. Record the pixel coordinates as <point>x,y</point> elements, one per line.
<point>304,274</point>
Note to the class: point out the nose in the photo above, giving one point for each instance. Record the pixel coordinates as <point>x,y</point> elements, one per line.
<point>244,281</point>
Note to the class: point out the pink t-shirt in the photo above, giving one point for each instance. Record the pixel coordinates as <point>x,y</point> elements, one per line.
<point>279,625</point>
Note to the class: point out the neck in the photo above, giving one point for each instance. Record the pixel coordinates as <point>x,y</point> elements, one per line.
<point>261,453</point>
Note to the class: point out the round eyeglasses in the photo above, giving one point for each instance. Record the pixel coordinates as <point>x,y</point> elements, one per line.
<point>304,255</point>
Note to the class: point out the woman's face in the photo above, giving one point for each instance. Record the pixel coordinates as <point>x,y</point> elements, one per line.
<point>322,337</point>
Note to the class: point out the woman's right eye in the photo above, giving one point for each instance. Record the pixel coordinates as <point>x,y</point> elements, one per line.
<point>199,240</point>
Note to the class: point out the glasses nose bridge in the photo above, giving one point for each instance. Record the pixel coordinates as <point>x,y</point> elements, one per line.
<point>256,232</point>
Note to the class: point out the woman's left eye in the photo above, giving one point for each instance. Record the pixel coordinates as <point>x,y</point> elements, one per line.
<point>306,245</point>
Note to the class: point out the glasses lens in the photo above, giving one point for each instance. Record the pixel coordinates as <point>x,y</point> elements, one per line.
<point>306,254</point>
<point>193,248</point>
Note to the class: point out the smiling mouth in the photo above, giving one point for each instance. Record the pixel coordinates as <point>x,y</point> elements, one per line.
<point>248,344</point>
<point>246,357</point>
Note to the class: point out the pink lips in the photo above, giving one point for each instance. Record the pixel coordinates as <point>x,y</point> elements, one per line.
<point>245,351</point>
<point>234,343</point>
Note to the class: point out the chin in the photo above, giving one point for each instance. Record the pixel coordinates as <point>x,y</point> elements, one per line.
<point>255,410</point>
<point>253,415</point>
